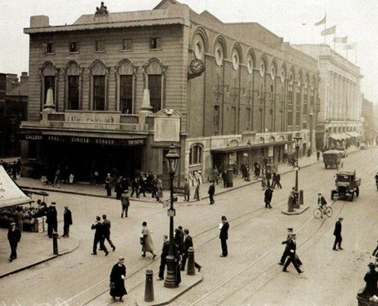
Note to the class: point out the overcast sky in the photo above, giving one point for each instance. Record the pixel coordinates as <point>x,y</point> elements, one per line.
<point>291,19</point>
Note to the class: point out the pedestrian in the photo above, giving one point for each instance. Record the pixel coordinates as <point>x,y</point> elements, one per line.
<point>224,178</point>
<point>286,251</point>
<point>216,175</point>
<point>142,184</point>
<point>223,236</point>
<point>57,178</point>
<point>197,191</point>
<point>375,253</point>
<point>18,166</point>
<point>148,245</point>
<point>211,193</point>
<point>268,197</point>
<point>163,257</point>
<point>125,201</point>
<point>292,197</point>
<point>337,234</point>
<point>108,185</point>
<point>154,188</point>
<point>268,176</point>
<point>118,188</point>
<point>98,237</point>
<point>277,181</point>
<point>14,171</point>
<point>188,243</point>
<point>52,220</point>
<point>317,155</point>
<point>179,239</point>
<point>135,187</point>
<point>186,191</point>
<point>117,280</point>
<point>292,247</point>
<point>106,225</point>
<point>159,193</point>
<point>67,221</point>
<point>20,219</point>
<point>14,237</point>
<point>263,181</point>
<point>371,279</point>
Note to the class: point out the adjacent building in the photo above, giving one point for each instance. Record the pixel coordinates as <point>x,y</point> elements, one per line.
<point>368,114</point>
<point>112,92</point>
<point>339,118</point>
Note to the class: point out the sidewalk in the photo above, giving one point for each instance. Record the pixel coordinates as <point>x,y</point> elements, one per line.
<point>35,248</point>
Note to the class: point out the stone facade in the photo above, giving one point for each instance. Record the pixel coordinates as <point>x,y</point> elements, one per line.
<point>368,121</point>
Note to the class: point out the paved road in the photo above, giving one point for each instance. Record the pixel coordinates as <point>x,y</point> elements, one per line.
<point>249,276</point>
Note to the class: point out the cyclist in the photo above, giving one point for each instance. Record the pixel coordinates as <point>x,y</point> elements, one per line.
<point>322,202</point>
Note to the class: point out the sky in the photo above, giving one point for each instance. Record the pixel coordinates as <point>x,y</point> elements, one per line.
<point>291,19</point>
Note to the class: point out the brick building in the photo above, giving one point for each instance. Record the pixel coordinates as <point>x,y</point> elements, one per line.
<point>121,87</point>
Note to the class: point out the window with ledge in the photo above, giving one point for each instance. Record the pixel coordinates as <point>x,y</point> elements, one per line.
<point>100,46</point>
<point>127,45</point>
<point>126,94</point>
<point>155,43</point>
<point>49,48</point>
<point>195,155</point>
<point>73,92</point>
<point>49,76</point>
<point>154,85</point>
<point>74,47</point>
<point>99,92</point>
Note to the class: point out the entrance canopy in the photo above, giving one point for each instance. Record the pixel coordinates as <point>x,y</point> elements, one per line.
<point>250,147</point>
<point>10,193</point>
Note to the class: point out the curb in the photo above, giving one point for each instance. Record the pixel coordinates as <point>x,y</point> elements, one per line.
<point>77,244</point>
<point>296,212</point>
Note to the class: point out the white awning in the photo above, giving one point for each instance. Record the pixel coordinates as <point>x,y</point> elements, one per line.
<point>336,136</point>
<point>353,134</point>
<point>10,193</point>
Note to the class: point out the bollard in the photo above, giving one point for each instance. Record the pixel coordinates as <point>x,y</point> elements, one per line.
<point>55,243</point>
<point>290,207</point>
<point>296,204</point>
<point>191,270</point>
<point>301,197</point>
<point>149,291</point>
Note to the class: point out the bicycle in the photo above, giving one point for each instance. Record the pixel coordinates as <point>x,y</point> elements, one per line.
<point>319,212</point>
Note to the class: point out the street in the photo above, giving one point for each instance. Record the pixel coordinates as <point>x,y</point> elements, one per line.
<point>250,275</point>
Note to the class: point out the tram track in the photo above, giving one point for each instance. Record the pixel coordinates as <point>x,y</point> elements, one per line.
<point>236,221</point>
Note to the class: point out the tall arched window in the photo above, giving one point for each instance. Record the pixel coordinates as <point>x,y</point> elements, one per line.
<point>154,78</point>
<point>73,73</point>
<point>126,80</point>
<point>298,101</point>
<point>195,154</point>
<point>99,85</point>
<point>290,99</point>
<point>49,79</point>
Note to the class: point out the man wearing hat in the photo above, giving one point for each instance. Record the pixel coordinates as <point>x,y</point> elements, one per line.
<point>14,237</point>
<point>292,247</point>
<point>163,257</point>
<point>52,219</point>
<point>117,280</point>
<point>67,218</point>
<point>321,201</point>
<point>125,201</point>
<point>371,279</point>
<point>337,234</point>
<point>223,236</point>
<point>286,252</point>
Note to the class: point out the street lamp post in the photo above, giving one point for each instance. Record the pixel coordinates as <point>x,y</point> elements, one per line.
<point>170,280</point>
<point>298,140</point>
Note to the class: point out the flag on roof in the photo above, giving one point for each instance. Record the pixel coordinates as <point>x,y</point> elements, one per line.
<point>329,31</point>
<point>323,21</point>
<point>341,40</point>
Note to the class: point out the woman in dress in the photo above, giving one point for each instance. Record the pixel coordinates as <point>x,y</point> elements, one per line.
<point>148,245</point>
<point>117,280</point>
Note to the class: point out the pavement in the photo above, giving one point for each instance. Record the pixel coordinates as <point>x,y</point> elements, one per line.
<point>39,246</point>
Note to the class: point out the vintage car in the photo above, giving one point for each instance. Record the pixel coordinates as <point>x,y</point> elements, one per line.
<point>347,185</point>
<point>332,159</point>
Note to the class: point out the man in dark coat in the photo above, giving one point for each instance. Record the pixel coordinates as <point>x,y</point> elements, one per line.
<point>268,197</point>
<point>292,247</point>
<point>67,218</point>
<point>371,279</point>
<point>106,225</point>
<point>14,237</point>
<point>117,280</point>
<point>125,201</point>
<point>286,252</point>
<point>179,239</point>
<point>52,219</point>
<point>163,257</point>
<point>188,242</point>
<point>223,236</point>
<point>211,193</point>
<point>337,234</point>
<point>224,178</point>
<point>98,237</point>
<point>118,188</point>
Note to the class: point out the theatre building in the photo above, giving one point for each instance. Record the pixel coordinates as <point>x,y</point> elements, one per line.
<point>112,91</point>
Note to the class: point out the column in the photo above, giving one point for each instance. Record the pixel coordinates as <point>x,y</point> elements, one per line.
<point>334,90</point>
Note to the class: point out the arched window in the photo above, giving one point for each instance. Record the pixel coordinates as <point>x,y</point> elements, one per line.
<point>219,53</point>
<point>49,79</point>
<point>73,73</point>
<point>154,79</point>
<point>195,154</point>
<point>126,80</point>
<point>99,85</point>
<point>290,99</point>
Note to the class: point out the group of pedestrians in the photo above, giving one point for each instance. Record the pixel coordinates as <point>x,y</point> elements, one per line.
<point>102,233</point>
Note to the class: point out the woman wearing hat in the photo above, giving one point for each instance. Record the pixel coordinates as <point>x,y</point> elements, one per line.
<point>117,280</point>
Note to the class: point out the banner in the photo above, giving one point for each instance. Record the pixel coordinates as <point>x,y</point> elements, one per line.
<point>323,21</point>
<point>350,46</point>
<point>341,40</point>
<point>329,31</point>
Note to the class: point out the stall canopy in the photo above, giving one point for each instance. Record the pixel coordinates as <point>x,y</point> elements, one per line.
<point>10,193</point>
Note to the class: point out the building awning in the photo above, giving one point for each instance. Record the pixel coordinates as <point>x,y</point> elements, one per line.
<point>249,147</point>
<point>354,134</point>
<point>336,136</point>
<point>10,193</point>
<point>345,136</point>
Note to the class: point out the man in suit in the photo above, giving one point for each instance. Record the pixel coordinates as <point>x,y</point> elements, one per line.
<point>98,237</point>
<point>179,239</point>
<point>223,236</point>
<point>268,197</point>
<point>67,218</point>
<point>188,242</point>
<point>106,225</point>
<point>292,247</point>
<point>337,234</point>
<point>51,219</point>
<point>163,257</point>
<point>125,201</point>
<point>286,252</point>
<point>371,279</point>
<point>14,237</point>
<point>211,193</point>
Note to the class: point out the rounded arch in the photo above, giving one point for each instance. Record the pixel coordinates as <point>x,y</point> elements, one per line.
<point>250,60</point>
<point>283,72</point>
<point>234,143</point>
<point>154,66</point>
<point>300,76</point>
<point>281,138</point>
<point>263,64</point>
<point>292,74</point>
<point>220,39</point>
<point>273,68</point>
<point>272,139</point>
<point>261,140</point>
<point>48,69</point>
<point>200,31</point>
<point>238,47</point>
<point>196,153</point>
